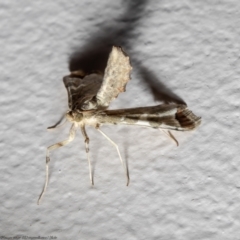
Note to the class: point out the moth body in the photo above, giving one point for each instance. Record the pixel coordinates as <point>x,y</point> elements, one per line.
<point>89,96</point>
<point>82,118</point>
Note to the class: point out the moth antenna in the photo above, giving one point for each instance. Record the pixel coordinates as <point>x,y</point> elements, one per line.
<point>58,124</point>
<point>72,134</point>
<point>123,163</point>
<point>169,134</point>
<point>87,152</point>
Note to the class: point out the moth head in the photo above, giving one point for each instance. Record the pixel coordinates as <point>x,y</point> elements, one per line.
<point>74,116</point>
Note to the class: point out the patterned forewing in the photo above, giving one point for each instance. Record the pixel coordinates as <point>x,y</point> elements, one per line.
<point>82,91</point>
<point>116,76</point>
<point>165,116</point>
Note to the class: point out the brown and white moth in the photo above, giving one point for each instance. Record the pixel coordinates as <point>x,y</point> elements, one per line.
<point>89,96</point>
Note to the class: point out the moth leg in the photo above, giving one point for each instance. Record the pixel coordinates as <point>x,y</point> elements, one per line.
<point>116,146</point>
<point>169,134</point>
<point>87,152</point>
<point>72,134</point>
<point>60,123</point>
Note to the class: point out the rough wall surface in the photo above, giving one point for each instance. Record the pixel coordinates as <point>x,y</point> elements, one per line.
<point>183,49</point>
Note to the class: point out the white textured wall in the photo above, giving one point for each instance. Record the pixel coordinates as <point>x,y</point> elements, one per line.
<point>183,49</point>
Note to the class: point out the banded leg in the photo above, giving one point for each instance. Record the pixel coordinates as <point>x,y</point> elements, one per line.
<point>87,152</point>
<point>123,163</point>
<point>72,134</point>
<point>169,134</point>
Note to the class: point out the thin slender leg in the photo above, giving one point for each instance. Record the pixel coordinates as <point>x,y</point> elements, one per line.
<point>169,134</point>
<point>87,152</point>
<point>116,146</point>
<point>52,147</point>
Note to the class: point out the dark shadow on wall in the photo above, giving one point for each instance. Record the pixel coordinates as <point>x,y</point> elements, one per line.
<point>159,90</point>
<point>94,54</point>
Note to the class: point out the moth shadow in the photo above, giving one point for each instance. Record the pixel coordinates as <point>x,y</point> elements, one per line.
<point>159,90</point>
<point>94,54</point>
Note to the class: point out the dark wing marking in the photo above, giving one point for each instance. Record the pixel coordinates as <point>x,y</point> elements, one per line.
<point>81,91</point>
<point>165,116</point>
<point>116,76</point>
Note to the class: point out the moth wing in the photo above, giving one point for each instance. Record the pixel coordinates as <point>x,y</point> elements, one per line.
<point>116,76</point>
<point>82,90</point>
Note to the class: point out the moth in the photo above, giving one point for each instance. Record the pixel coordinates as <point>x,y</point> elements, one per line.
<point>89,96</point>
